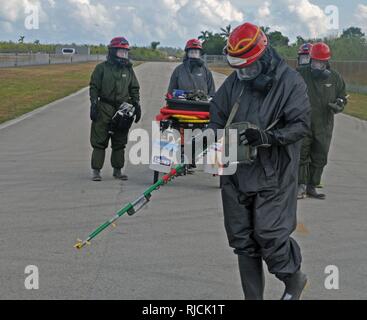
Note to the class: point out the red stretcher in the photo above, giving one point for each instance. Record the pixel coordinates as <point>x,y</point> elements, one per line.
<point>180,114</point>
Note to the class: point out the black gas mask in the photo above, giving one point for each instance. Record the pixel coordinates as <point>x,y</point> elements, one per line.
<point>194,62</point>
<point>320,69</point>
<point>263,83</point>
<point>303,60</point>
<point>193,56</point>
<point>258,74</point>
<point>119,56</point>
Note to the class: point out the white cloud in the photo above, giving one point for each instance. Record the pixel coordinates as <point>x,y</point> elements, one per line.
<point>215,11</point>
<point>6,26</point>
<point>174,21</point>
<point>171,22</point>
<point>92,17</point>
<point>292,18</point>
<point>173,5</point>
<point>361,16</point>
<point>14,10</point>
<point>310,15</point>
<point>52,3</point>
<point>264,10</point>
<point>11,10</point>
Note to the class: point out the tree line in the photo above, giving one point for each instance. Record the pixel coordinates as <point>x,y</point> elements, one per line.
<point>154,51</point>
<point>350,45</point>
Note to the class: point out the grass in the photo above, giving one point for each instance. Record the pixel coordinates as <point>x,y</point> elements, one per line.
<point>24,89</point>
<point>224,70</point>
<point>357,105</point>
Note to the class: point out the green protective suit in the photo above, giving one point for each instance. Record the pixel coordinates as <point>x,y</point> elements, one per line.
<point>110,86</point>
<point>316,144</point>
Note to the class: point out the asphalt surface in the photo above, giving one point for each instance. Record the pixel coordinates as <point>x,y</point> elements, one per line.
<point>176,248</point>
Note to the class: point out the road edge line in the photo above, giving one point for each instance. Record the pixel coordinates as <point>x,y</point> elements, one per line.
<point>30,114</point>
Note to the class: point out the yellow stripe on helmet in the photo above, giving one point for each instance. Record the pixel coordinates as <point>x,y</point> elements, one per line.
<point>236,50</point>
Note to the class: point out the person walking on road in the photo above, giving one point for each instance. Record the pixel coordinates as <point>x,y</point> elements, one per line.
<point>113,83</point>
<point>327,93</point>
<point>260,199</point>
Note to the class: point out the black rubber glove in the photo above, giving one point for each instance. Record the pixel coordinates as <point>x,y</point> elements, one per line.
<point>137,112</point>
<point>337,106</point>
<point>94,111</point>
<point>256,138</point>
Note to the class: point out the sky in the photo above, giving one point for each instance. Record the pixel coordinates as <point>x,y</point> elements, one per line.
<point>171,22</point>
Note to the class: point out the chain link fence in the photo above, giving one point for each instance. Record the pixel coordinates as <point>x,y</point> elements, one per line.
<point>32,59</point>
<point>353,72</point>
<point>212,60</point>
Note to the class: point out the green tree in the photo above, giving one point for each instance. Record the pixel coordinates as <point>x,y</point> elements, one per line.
<point>277,39</point>
<point>205,35</point>
<point>265,30</point>
<point>170,51</point>
<point>226,31</point>
<point>300,41</point>
<point>214,44</point>
<point>352,32</point>
<point>154,45</point>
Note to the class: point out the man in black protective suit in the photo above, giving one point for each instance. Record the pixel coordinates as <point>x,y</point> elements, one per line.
<point>192,74</point>
<point>260,199</point>
<point>328,97</point>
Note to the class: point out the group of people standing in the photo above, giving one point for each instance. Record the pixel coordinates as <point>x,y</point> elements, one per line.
<point>259,200</point>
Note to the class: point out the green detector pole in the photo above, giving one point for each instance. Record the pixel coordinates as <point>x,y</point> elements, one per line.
<point>132,207</point>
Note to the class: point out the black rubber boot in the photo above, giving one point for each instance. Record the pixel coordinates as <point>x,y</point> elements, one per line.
<point>312,193</point>
<point>252,277</point>
<point>96,175</point>
<point>294,286</point>
<point>118,175</point>
<point>301,191</point>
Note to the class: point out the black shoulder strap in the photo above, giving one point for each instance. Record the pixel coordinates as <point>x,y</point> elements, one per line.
<point>235,108</point>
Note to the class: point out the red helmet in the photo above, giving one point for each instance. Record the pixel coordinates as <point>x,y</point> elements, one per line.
<point>305,48</point>
<point>246,44</point>
<point>320,51</point>
<point>193,44</point>
<point>119,43</point>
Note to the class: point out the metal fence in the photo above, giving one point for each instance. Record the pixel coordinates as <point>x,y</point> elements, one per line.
<point>353,72</point>
<point>32,59</point>
<point>219,60</point>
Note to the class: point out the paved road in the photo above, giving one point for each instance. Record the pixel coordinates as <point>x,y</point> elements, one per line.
<point>176,248</point>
